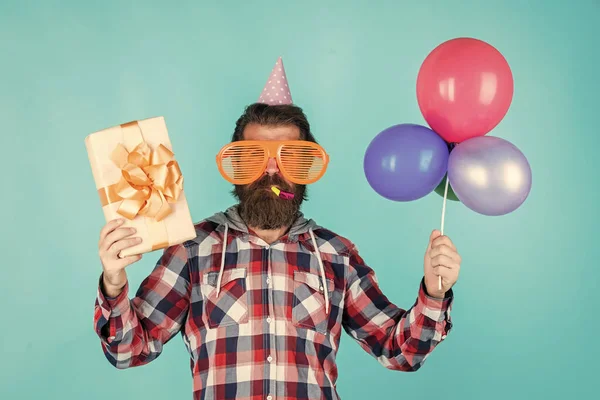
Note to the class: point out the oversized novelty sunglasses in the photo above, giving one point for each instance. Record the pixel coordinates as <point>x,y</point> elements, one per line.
<point>299,161</point>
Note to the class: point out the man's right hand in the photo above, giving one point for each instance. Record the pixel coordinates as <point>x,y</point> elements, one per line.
<point>113,239</point>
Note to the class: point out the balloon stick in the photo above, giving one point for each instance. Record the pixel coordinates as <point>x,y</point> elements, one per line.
<point>442,225</point>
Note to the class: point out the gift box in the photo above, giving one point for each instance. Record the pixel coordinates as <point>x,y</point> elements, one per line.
<point>139,180</point>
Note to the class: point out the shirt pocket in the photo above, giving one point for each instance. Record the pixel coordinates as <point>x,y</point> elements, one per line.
<point>308,306</point>
<point>230,305</point>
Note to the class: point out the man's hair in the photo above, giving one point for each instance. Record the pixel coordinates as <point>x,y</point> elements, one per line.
<point>273,115</point>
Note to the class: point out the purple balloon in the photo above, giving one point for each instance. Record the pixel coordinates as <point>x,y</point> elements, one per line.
<point>406,162</point>
<point>489,175</point>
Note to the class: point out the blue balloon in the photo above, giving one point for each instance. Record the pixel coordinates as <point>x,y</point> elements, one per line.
<point>406,162</point>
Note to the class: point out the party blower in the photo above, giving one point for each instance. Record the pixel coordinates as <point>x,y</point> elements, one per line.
<point>464,89</point>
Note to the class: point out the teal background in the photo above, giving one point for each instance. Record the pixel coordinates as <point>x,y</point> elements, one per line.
<point>526,307</point>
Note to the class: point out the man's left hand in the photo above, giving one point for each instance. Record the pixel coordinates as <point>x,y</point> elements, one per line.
<point>441,259</point>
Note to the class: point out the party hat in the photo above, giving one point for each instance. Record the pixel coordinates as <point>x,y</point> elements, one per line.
<point>276,90</point>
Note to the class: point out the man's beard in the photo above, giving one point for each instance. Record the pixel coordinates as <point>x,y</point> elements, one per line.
<point>261,208</point>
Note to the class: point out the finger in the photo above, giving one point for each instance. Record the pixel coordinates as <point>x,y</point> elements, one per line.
<point>445,274</point>
<point>434,234</point>
<point>446,251</point>
<point>119,245</point>
<point>110,226</point>
<point>443,261</point>
<point>441,271</point>
<point>128,260</point>
<point>115,236</point>
<point>443,240</point>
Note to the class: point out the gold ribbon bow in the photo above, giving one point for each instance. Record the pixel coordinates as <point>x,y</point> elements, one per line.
<point>151,179</point>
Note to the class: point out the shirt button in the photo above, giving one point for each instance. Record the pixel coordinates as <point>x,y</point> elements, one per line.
<point>268,280</point>
<point>268,320</point>
<point>269,397</point>
<point>269,359</point>
<point>321,288</point>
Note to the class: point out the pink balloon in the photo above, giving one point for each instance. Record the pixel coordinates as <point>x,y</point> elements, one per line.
<point>464,89</point>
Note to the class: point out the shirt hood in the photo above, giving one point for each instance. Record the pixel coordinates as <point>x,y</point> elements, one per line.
<point>232,218</point>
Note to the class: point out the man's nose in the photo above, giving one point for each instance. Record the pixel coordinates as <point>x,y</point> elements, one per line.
<point>272,167</point>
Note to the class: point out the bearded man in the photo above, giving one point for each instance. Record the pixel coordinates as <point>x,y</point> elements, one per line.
<point>262,294</point>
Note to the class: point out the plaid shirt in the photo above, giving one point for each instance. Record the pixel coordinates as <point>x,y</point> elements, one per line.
<point>266,334</point>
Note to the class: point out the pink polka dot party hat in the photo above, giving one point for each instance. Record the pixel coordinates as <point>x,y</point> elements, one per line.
<point>276,89</point>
